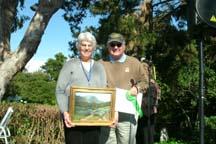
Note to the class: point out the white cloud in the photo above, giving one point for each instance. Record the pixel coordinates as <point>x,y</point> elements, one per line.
<point>34,65</point>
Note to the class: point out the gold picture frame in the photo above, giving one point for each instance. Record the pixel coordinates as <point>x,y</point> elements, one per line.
<point>92,106</point>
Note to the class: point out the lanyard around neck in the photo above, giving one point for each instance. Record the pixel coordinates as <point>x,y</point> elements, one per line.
<point>87,74</point>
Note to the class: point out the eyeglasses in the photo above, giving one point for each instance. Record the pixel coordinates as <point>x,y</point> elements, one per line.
<point>86,45</point>
<point>113,44</point>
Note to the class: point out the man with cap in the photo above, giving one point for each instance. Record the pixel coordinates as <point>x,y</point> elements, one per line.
<point>124,72</point>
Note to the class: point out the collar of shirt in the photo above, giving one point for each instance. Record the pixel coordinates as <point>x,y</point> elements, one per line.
<point>121,60</point>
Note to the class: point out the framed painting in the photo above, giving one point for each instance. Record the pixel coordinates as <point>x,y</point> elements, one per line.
<point>92,106</point>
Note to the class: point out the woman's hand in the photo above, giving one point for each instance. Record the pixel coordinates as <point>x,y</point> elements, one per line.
<point>67,120</point>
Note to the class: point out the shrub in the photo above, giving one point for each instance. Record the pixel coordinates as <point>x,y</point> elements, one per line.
<point>34,123</point>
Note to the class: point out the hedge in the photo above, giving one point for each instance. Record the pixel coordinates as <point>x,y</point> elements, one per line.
<point>34,124</point>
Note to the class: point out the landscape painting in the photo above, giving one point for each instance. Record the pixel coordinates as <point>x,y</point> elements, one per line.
<point>92,106</point>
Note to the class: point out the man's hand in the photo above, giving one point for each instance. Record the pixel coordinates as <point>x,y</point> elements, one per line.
<point>115,120</point>
<point>133,91</point>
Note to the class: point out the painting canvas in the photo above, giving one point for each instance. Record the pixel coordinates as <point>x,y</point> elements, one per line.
<point>92,106</point>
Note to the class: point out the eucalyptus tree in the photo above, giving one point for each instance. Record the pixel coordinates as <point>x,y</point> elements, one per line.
<point>13,61</point>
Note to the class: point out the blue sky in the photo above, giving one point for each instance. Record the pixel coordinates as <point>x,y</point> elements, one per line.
<point>55,38</point>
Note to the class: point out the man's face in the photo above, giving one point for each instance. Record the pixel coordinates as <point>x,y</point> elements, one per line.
<point>86,49</point>
<point>116,49</point>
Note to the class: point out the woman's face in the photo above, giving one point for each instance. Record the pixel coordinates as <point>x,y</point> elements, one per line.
<point>86,49</point>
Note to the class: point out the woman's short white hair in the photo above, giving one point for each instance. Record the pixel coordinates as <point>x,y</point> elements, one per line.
<point>86,36</point>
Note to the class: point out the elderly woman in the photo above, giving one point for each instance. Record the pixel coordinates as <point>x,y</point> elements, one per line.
<point>85,72</point>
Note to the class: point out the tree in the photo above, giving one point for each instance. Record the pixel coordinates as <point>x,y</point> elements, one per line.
<point>53,66</point>
<point>161,31</point>
<point>13,62</point>
<point>33,87</point>
<point>37,87</point>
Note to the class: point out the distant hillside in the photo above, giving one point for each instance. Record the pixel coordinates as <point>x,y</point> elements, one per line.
<point>88,99</point>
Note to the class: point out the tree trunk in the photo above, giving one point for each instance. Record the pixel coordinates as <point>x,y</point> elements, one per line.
<point>11,63</point>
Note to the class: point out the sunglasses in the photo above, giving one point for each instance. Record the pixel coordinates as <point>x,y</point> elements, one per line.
<point>113,44</point>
